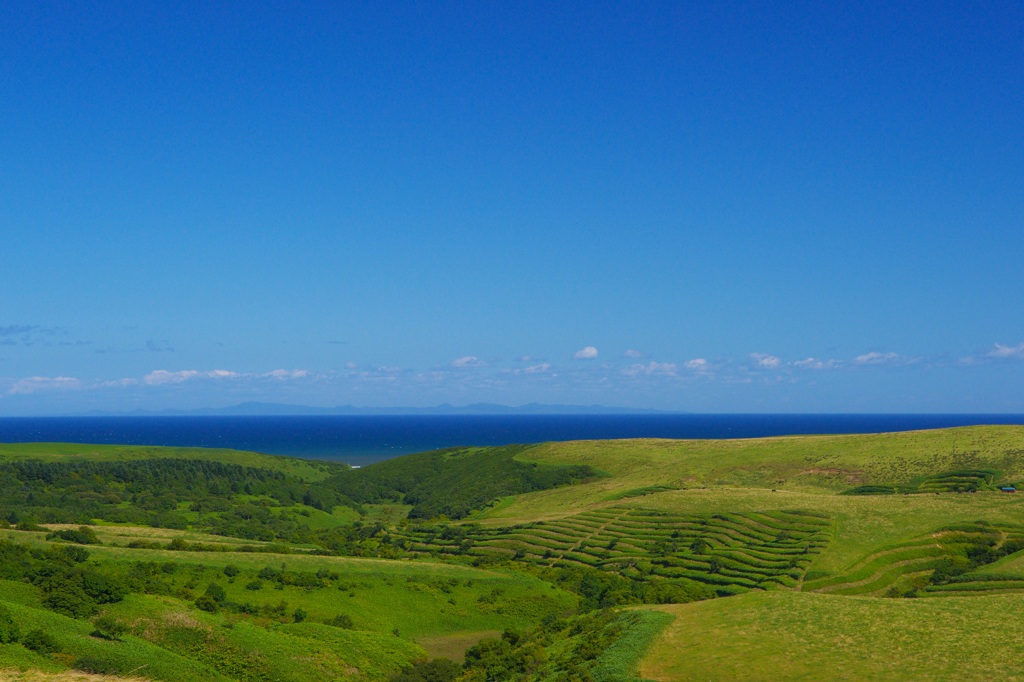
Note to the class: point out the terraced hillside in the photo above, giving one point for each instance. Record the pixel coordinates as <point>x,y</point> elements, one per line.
<point>950,561</point>
<point>729,553</point>
<point>961,481</point>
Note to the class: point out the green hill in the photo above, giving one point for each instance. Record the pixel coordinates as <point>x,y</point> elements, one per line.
<point>530,562</point>
<point>307,470</point>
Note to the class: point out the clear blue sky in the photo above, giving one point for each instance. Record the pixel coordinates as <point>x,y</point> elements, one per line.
<point>716,206</point>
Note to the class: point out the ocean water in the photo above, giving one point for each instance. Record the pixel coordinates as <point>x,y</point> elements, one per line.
<point>366,439</point>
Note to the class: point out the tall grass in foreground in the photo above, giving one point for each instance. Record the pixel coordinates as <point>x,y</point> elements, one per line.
<point>619,661</point>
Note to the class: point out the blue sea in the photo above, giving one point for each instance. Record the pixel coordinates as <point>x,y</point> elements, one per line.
<point>365,439</point>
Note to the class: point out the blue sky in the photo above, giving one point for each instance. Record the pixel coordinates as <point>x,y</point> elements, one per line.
<point>715,207</point>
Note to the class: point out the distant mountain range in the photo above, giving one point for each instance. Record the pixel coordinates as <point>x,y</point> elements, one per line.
<point>282,409</point>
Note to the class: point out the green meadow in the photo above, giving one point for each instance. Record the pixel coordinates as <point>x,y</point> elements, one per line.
<point>801,636</point>
<point>883,556</point>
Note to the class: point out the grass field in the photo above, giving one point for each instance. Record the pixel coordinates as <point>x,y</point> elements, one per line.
<point>791,636</point>
<point>796,576</point>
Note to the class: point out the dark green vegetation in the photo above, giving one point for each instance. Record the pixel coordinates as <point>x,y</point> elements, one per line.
<point>246,501</point>
<point>227,499</point>
<point>559,561</point>
<point>454,482</point>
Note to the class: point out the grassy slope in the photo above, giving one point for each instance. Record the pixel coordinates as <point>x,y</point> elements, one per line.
<point>379,594</point>
<point>797,635</point>
<point>798,463</point>
<point>74,641</point>
<point>419,600</point>
<point>296,651</point>
<point>800,472</point>
<point>862,636</point>
<point>308,470</point>
<point>787,635</point>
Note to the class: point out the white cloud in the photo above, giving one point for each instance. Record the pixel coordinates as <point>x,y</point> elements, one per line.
<point>283,374</point>
<point>633,353</point>
<point>585,353</point>
<point>874,358</point>
<point>765,360</point>
<point>1012,352</point>
<point>384,374</point>
<point>652,368</point>
<point>162,376</point>
<point>537,369</point>
<point>156,378</point>
<point>468,361</point>
<point>36,384</point>
<point>697,364</point>
<point>118,383</point>
<point>813,363</point>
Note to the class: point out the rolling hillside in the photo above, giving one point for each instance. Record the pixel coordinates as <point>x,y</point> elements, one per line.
<point>561,561</point>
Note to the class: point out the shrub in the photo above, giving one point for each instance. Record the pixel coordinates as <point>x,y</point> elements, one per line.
<point>95,665</point>
<point>68,554</point>
<point>40,642</point>
<point>948,568</point>
<point>216,593</point>
<point>299,615</point>
<point>9,630</point>
<point>109,627</point>
<point>83,536</point>
<point>206,603</point>
<point>342,620</point>
<point>231,570</point>
<point>29,523</point>
<point>103,589</point>
<point>70,600</point>
<point>268,573</point>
